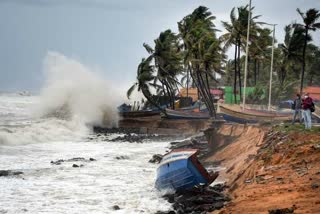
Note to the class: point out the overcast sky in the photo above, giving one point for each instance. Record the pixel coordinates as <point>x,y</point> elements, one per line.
<point>106,34</point>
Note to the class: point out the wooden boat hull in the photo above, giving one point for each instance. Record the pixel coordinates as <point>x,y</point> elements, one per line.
<point>139,113</point>
<point>180,170</point>
<point>172,114</point>
<point>252,116</point>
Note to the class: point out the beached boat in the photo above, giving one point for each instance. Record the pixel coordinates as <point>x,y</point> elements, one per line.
<point>143,113</point>
<point>180,169</point>
<point>183,114</point>
<point>236,114</point>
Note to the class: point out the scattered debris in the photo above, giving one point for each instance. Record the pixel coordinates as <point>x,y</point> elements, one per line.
<point>156,158</point>
<point>9,173</point>
<point>122,157</point>
<point>314,186</point>
<point>77,159</point>
<point>282,211</point>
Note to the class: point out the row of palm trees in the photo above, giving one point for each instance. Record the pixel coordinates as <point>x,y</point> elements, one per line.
<point>196,55</point>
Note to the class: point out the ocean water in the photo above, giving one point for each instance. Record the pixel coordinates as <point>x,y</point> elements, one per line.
<point>30,141</point>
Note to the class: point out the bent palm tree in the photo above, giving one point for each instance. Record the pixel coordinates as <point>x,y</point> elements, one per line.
<point>310,23</point>
<point>145,78</point>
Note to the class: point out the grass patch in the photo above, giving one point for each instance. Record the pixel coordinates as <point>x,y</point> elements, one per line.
<point>299,128</point>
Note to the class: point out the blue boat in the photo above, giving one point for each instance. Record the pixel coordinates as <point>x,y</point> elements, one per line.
<point>180,170</point>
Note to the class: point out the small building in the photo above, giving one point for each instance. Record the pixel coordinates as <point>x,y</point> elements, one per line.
<point>314,92</point>
<point>193,93</point>
<point>190,92</point>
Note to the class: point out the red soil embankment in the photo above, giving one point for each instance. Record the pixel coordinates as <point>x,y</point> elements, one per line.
<point>269,170</point>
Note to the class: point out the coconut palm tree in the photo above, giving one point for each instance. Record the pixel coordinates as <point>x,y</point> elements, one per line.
<point>259,50</point>
<point>291,49</point>
<point>236,35</point>
<point>310,23</point>
<point>202,52</point>
<point>145,80</point>
<point>167,63</point>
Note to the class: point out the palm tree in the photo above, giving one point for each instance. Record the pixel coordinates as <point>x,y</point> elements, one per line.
<point>202,52</point>
<point>236,35</point>
<point>313,65</point>
<point>144,82</point>
<point>310,23</point>
<point>167,63</point>
<point>291,49</point>
<point>259,50</point>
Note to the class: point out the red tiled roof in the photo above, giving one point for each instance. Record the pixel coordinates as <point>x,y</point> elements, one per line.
<point>313,91</point>
<point>216,91</point>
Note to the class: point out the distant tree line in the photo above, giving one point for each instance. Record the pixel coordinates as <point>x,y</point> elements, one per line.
<point>195,55</point>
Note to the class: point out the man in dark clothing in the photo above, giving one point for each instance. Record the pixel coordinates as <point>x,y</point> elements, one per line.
<point>297,109</point>
<point>306,106</point>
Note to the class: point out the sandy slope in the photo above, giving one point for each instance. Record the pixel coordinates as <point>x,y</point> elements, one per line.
<point>268,170</point>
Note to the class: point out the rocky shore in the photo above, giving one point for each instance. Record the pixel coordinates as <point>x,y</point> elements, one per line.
<point>201,199</point>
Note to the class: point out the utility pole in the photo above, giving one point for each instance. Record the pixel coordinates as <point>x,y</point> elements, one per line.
<point>246,61</point>
<point>271,67</point>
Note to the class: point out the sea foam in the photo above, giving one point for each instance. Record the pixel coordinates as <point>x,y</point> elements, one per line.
<point>74,98</point>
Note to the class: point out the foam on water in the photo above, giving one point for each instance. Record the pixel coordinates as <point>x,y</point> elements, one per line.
<point>56,125</point>
<point>72,100</point>
<point>94,188</point>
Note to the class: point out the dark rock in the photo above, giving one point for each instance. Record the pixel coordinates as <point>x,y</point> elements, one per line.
<point>156,158</point>
<point>75,165</point>
<point>167,212</point>
<point>122,157</point>
<point>58,162</point>
<point>116,207</point>
<point>9,173</point>
<point>197,200</point>
<point>282,211</point>
<point>77,159</point>
<point>315,186</point>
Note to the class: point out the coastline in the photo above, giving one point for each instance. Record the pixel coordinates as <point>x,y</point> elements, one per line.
<point>279,165</point>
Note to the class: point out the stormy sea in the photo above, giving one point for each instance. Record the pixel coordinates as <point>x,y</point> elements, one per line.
<point>54,161</point>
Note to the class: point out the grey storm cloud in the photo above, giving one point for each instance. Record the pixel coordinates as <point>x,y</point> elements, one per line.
<point>120,5</point>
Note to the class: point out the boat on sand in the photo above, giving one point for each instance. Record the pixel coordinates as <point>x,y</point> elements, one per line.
<point>236,114</point>
<point>183,114</point>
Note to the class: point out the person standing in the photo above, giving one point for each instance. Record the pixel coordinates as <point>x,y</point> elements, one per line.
<point>297,109</point>
<point>306,106</point>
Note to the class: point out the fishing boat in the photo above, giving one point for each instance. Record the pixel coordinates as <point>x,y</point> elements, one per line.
<point>142,113</point>
<point>183,114</point>
<point>236,114</point>
<point>180,170</point>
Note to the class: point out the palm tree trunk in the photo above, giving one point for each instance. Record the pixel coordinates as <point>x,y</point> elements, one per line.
<point>201,88</point>
<point>211,98</point>
<point>149,98</point>
<point>188,81</point>
<point>239,71</point>
<point>172,95</point>
<point>235,74</point>
<point>304,59</point>
<point>255,72</point>
<point>168,92</point>
<point>164,91</point>
<point>258,70</point>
